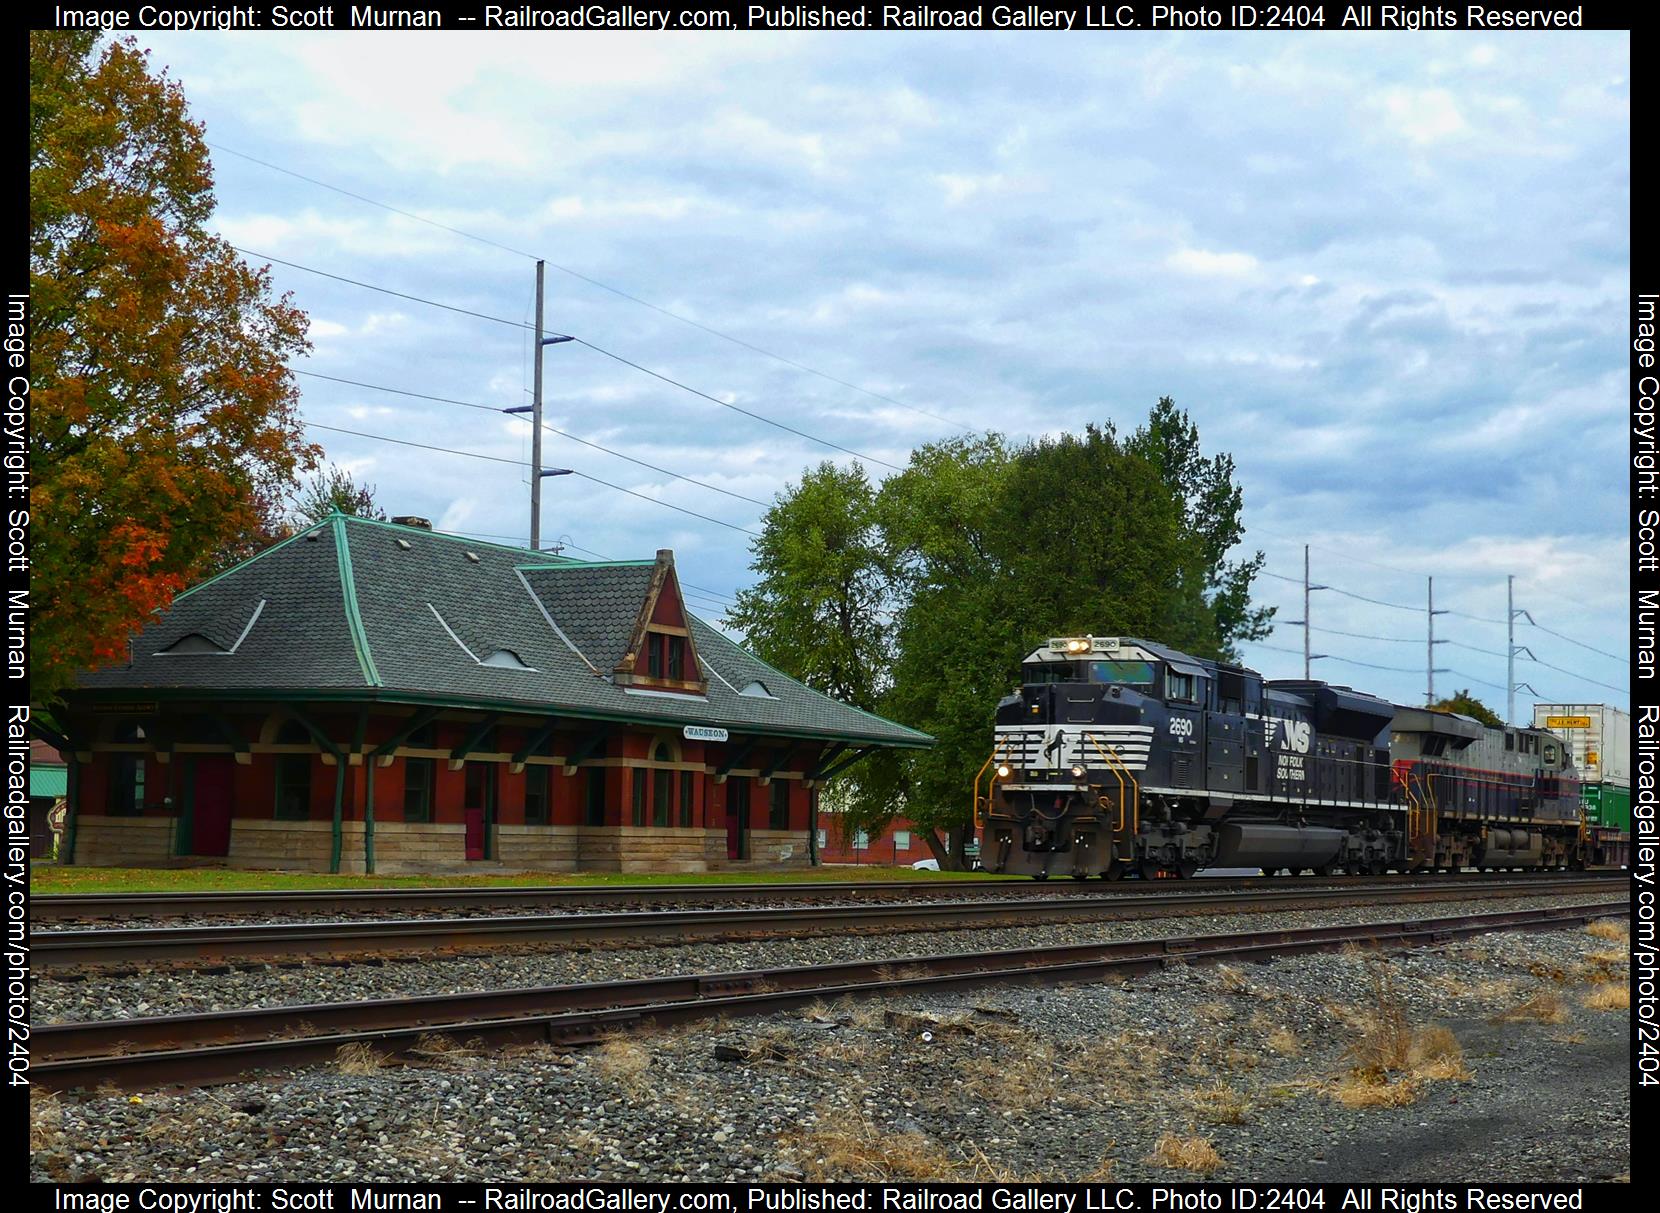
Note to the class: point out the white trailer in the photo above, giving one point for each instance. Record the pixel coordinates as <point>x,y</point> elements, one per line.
<point>1598,736</point>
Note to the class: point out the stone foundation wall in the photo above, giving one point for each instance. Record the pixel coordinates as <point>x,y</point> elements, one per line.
<point>771,850</point>
<point>438,847</point>
<point>293,846</point>
<point>124,842</point>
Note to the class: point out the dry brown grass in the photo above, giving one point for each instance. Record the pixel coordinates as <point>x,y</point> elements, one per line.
<point>1359,1090</point>
<point>1284,1042</point>
<point>1219,1104</point>
<point>1385,1036</point>
<point>1609,928</point>
<point>1214,1012</point>
<point>1608,997</point>
<point>1232,980</point>
<point>624,1061</point>
<point>1544,1007</point>
<point>1607,958</point>
<point>1438,1057</point>
<point>358,1058</point>
<point>840,1146</point>
<point>1194,1154</point>
<point>45,1120</point>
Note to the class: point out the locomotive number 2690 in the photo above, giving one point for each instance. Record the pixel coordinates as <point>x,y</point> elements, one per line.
<point>1180,727</point>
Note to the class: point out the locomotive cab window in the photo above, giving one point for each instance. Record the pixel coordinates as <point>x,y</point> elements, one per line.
<point>1122,673</point>
<point>1051,671</point>
<point>1179,687</point>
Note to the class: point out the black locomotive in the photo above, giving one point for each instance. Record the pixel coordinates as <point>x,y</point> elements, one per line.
<point>1120,755</point>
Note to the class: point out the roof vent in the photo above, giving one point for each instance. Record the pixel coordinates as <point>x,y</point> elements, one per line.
<point>473,556</point>
<point>404,544</point>
<point>421,524</point>
<point>311,536</point>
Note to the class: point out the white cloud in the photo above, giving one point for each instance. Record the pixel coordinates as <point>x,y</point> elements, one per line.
<point>1425,115</point>
<point>1211,265</point>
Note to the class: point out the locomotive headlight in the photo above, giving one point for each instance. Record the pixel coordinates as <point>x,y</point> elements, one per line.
<point>1077,772</point>
<point>1003,771</point>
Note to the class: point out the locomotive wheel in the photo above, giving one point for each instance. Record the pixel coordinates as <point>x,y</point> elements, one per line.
<point>1114,870</point>
<point>1150,869</point>
<point>1272,871</point>
<point>1187,869</point>
<point>1040,875</point>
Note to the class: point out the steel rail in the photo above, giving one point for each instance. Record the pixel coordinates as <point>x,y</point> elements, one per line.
<point>66,907</point>
<point>227,1045</point>
<point>59,950</point>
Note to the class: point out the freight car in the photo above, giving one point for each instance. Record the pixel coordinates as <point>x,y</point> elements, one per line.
<point>1599,738</point>
<point>1119,755</point>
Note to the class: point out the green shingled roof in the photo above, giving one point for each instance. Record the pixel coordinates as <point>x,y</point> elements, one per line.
<point>354,608</point>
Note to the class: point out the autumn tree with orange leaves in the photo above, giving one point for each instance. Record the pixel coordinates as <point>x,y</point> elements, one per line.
<point>165,430</point>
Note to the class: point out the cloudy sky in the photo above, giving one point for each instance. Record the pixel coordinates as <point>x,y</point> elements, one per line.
<point>1388,272</point>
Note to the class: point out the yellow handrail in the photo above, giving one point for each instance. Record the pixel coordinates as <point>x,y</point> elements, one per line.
<point>1111,757</point>
<point>1115,775</point>
<point>974,807</point>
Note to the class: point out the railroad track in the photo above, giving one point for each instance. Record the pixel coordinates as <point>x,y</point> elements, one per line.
<point>87,907</point>
<point>188,1049</point>
<point>57,951</point>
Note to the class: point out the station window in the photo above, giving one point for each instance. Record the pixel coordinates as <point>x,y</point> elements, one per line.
<point>685,800</point>
<point>677,657</point>
<point>126,792</point>
<point>823,839</point>
<point>901,840</point>
<point>654,654</point>
<point>780,815</point>
<point>861,840</point>
<point>417,789</point>
<point>639,782</point>
<point>538,790</point>
<point>293,787</point>
<point>596,796</point>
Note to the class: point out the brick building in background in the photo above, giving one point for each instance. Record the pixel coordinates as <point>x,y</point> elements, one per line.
<point>367,696</point>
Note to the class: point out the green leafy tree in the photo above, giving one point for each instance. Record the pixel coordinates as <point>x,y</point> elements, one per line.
<point>164,420</point>
<point>329,490</point>
<point>1466,704</point>
<point>984,550</point>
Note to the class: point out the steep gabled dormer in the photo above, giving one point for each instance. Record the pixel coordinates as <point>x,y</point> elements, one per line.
<point>661,655</point>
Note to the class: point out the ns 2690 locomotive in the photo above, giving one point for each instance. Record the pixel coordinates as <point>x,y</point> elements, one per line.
<point>1120,755</point>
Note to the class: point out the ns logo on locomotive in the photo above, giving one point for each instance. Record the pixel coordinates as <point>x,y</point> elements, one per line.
<point>1120,755</point>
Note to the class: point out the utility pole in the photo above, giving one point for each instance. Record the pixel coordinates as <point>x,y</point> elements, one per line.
<point>536,423</point>
<point>1511,649</point>
<point>537,471</point>
<point>1432,643</point>
<point>1308,657</point>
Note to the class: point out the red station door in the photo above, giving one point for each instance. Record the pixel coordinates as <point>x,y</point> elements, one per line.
<point>210,811</point>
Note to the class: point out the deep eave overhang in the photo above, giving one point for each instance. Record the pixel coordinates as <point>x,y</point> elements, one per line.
<point>920,741</point>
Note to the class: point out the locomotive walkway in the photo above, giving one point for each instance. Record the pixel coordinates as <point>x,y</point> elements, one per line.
<point>168,1050</point>
<point>60,950</point>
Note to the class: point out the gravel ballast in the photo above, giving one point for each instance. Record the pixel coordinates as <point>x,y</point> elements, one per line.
<point>164,991</point>
<point>1486,1059</point>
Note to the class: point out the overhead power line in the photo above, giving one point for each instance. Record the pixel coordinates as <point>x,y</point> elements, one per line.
<point>522,541</point>
<point>604,286</point>
<point>552,429</point>
<point>445,450</point>
<point>519,324</point>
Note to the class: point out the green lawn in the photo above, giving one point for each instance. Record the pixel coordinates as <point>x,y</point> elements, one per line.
<point>47,878</point>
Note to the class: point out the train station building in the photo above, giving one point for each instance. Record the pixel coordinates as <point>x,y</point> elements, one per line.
<point>375,697</point>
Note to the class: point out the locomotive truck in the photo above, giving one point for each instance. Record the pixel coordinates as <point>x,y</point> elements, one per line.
<point>1119,755</point>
